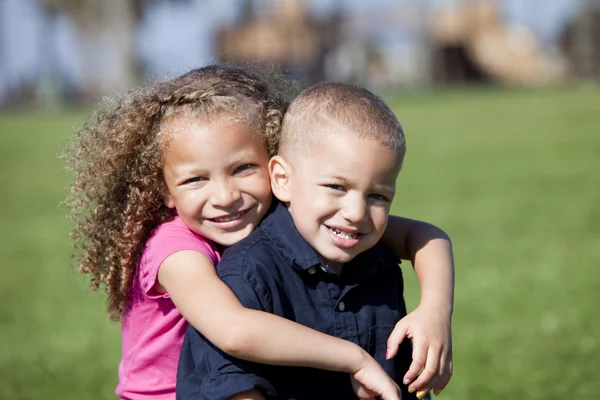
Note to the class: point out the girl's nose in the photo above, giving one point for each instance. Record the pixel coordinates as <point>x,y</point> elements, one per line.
<point>225,195</point>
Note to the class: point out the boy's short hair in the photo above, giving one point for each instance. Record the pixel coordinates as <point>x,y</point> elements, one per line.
<point>321,107</point>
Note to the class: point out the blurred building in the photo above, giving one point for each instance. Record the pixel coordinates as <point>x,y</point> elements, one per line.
<point>48,53</point>
<point>284,34</point>
<point>472,42</point>
<point>580,42</point>
<point>458,42</point>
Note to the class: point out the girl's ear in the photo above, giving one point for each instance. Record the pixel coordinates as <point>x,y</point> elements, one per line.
<point>168,199</point>
<point>279,171</point>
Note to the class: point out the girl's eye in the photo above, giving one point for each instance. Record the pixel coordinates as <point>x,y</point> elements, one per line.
<point>194,180</point>
<point>339,188</point>
<point>244,167</point>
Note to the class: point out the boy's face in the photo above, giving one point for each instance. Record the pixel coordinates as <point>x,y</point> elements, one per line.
<point>340,195</point>
<point>217,178</point>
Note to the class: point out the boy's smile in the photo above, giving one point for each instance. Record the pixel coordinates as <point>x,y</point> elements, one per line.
<point>339,195</point>
<point>344,238</point>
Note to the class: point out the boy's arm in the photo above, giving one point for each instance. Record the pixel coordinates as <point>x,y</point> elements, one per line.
<point>430,250</point>
<point>212,308</point>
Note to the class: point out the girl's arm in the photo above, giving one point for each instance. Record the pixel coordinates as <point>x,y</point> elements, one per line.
<point>251,395</point>
<point>429,325</point>
<point>430,251</point>
<point>210,306</point>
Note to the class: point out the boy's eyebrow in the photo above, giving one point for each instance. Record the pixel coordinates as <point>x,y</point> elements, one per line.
<point>326,177</point>
<point>381,186</point>
<point>387,188</point>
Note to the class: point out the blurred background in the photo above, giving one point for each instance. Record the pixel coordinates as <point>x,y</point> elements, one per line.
<point>79,50</point>
<point>501,107</point>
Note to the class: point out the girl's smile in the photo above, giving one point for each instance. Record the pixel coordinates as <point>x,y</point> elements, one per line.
<point>229,221</point>
<point>217,178</point>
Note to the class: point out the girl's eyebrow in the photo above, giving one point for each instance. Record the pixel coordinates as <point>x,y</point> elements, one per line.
<point>185,172</point>
<point>243,158</point>
<point>239,161</point>
<point>339,179</point>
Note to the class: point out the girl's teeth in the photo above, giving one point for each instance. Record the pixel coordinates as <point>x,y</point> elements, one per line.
<point>227,219</point>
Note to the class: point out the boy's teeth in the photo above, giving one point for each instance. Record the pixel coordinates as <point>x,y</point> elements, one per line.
<point>344,234</point>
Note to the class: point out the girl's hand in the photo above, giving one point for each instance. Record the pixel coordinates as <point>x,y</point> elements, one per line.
<point>430,329</point>
<point>371,382</point>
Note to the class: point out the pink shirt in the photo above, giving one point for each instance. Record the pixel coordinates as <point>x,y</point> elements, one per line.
<point>153,329</point>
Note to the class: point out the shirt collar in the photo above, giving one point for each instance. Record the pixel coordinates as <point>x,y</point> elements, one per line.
<point>283,232</point>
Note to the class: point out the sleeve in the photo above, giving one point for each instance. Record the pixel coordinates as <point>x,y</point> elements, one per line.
<point>208,373</point>
<point>168,239</point>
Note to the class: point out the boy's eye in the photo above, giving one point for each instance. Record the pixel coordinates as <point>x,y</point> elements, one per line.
<point>379,197</point>
<point>243,168</point>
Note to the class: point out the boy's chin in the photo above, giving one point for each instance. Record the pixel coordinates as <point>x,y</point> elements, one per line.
<point>338,257</point>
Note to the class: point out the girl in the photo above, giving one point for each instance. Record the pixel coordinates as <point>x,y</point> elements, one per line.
<point>165,178</point>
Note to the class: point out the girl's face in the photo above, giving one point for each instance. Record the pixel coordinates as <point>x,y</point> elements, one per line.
<point>217,178</point>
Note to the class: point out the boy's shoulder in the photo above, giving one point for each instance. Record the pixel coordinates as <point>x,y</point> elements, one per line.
<point>255,244</point>
<point>383,254</point>
<point>274,244</point>
<point>253,252</point>
<point>378,256</point>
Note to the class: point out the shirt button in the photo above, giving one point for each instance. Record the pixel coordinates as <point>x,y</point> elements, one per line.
<point>312,270</point>
<point>341,306</point>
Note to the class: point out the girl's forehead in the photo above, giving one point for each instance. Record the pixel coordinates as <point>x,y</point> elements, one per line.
<point>213,125</point>
<point>184,122</point>
<point>185,117</point>
<point>207,130</point>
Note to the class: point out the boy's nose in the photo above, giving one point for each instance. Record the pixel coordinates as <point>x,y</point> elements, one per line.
<point>355,211</point>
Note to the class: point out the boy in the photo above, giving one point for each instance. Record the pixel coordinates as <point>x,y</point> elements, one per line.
<point>315,258</point>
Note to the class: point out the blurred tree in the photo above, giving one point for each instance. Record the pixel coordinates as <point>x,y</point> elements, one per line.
<point>107,36</point>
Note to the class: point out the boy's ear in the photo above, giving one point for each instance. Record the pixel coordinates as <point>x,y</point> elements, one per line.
<point>279,171</point>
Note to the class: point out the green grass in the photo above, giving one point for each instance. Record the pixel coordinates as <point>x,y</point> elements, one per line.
<point>512,176</point>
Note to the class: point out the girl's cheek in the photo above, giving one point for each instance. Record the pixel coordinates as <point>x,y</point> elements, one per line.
<point>265,184</point>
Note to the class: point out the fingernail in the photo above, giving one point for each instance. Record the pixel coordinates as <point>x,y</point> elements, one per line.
<point>411,389</point>
<point>421,394</point>
<point>406,381</point>
<point>387,354</point>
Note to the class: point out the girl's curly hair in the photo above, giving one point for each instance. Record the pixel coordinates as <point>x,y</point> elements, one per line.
<point>116,199</point>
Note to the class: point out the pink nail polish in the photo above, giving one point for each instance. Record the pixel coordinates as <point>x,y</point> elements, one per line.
<point>387,354</point>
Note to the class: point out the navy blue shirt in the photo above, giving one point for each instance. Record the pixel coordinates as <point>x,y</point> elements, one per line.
<point>275,270</point>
